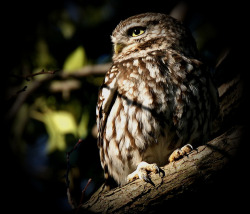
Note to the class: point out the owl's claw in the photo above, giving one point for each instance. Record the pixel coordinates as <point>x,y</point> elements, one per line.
<point>179,153</point>
<point>148,180</point>
<point>143,170</point>
<point>161,171</point>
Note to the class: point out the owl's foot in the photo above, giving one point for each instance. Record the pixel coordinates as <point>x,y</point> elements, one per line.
<point>143,170</point>
<point>179,153</point>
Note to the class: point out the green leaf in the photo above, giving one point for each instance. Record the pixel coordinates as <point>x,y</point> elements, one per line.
<point>43,58</point>
<point>64,122</point>
<point>67,28</point>
<point>58,124</point>
<point>83,125</point>
<point>76,60</point>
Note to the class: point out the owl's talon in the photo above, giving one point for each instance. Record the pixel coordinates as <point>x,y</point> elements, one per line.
<point>161,171</point>
<point>142,172</point>
<point>148,180</point>
<point>179,153</point>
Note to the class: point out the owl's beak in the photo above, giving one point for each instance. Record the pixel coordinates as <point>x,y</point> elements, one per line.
<point>118,47</point>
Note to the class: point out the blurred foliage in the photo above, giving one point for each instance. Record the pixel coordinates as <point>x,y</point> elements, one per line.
<point>76,60</point>
<point>68,35</point>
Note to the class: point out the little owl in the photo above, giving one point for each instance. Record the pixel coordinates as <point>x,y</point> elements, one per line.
<point>157,97</point>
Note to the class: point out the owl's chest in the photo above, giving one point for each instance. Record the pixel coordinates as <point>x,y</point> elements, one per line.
<point>144,86</point>
<point>142,100</point>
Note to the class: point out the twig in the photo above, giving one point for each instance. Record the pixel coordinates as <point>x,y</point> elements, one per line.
<point>22,90</point>
<point>70,199</point>
<point>21,97</point>
<point>10,99</point>
<point>82,196</point>
<point>27,77</point>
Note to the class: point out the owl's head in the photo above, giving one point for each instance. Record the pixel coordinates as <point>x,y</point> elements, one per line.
<point>140,34</point>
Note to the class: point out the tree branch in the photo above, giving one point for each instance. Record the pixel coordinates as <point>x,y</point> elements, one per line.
<point>88,70</point>
<point>181,176</point>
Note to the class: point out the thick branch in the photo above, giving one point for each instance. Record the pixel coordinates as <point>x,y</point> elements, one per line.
<point>181,176</point>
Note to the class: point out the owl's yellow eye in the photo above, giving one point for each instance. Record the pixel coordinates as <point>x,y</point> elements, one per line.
<point>136,31</point>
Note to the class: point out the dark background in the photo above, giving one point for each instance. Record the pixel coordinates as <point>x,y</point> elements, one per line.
<point>34,178</point>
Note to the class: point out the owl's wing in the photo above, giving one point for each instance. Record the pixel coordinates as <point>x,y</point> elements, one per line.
<point>107,95</point>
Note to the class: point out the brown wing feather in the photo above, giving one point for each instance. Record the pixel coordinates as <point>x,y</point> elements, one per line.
<point>106,97</point>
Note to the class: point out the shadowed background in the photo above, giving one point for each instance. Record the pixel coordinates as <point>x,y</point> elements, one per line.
<point>45,115</point>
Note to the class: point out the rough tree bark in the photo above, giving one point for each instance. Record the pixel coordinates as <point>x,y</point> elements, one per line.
<point>188,175</point>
